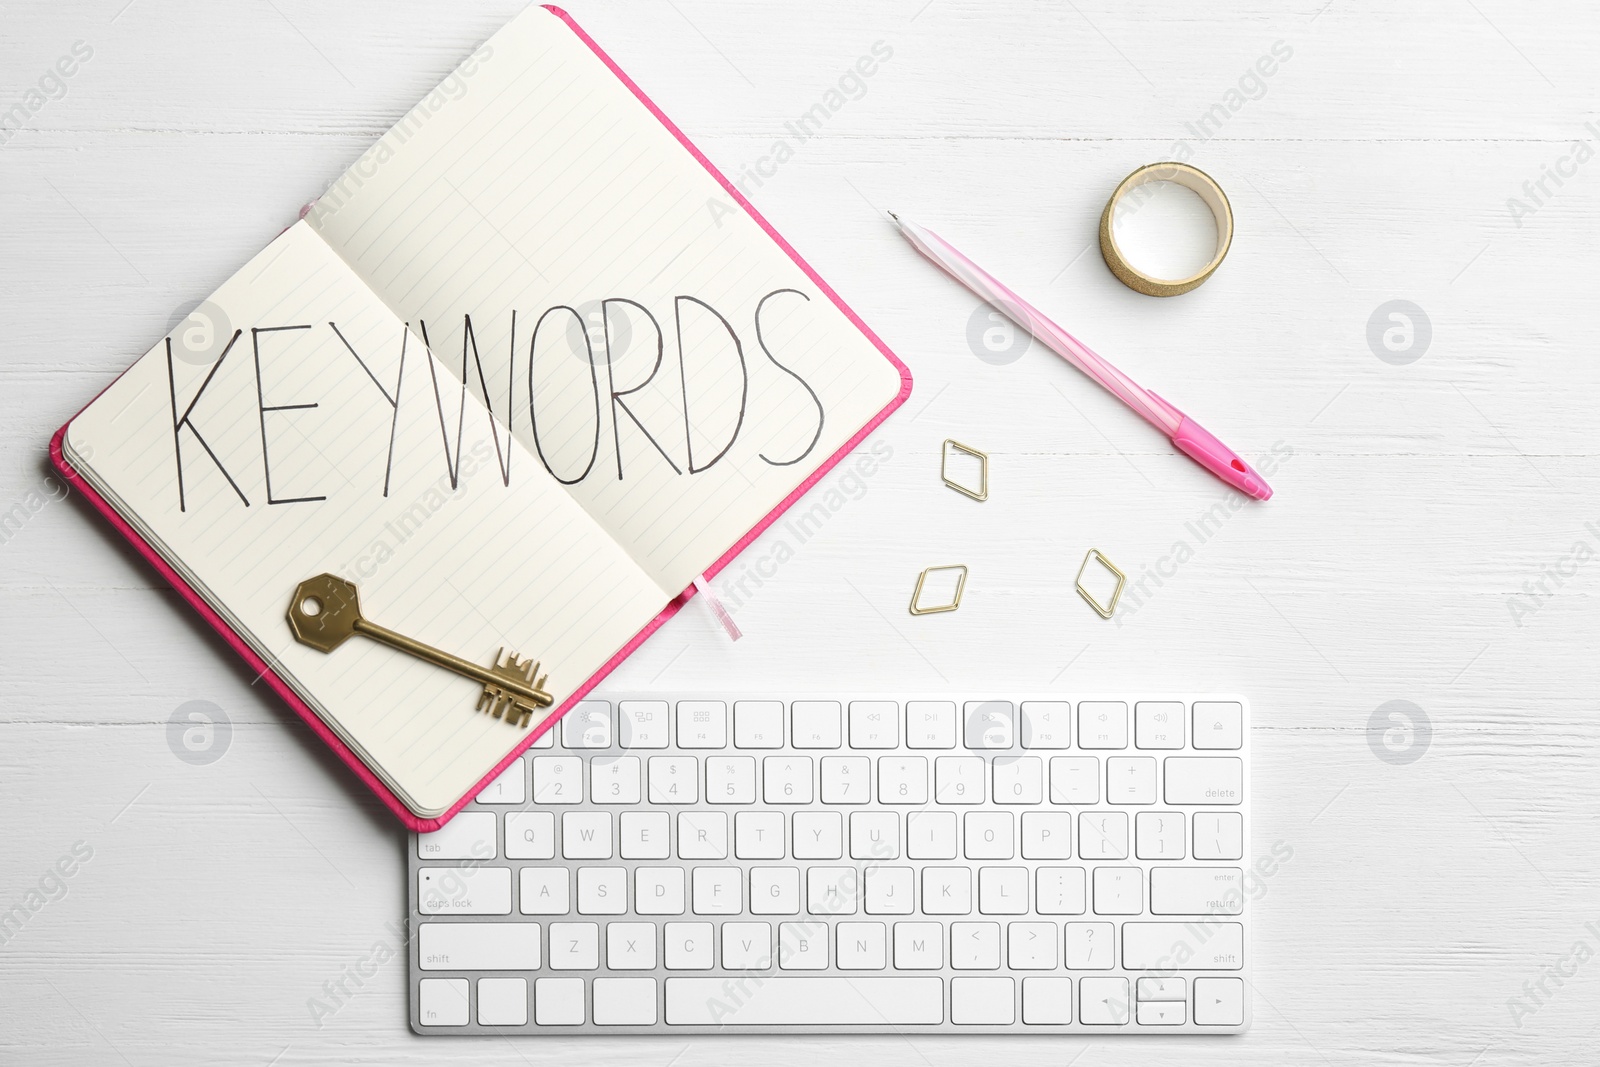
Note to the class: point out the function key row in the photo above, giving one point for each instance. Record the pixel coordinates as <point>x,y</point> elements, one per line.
<point>886,724</point>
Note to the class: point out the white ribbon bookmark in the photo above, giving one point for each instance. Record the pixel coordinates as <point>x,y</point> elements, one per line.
<point>717,609</point>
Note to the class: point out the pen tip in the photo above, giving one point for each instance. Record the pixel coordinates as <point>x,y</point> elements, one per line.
<point>892,215</point>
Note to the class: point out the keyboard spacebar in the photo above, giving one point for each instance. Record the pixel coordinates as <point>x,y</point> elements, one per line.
<point>804,1001</point>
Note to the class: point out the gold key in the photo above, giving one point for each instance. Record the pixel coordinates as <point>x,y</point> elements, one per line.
<point>325,611</point>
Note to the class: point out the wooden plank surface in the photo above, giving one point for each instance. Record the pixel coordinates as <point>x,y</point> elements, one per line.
<point>1433,538</point>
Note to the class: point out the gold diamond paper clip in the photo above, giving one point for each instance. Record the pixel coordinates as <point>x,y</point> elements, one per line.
<point>1103,610</point>
<point>982,492</point>
<point>955,602</point>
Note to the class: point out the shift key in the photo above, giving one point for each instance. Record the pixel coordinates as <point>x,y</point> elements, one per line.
<point>1204,779</point>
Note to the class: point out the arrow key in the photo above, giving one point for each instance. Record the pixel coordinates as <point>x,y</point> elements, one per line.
<point>1161,1012</point>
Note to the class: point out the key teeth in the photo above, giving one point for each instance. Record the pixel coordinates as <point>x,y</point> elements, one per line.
<point>509,706</point>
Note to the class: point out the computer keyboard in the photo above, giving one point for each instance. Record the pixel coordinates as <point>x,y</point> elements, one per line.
<point>839,864</point>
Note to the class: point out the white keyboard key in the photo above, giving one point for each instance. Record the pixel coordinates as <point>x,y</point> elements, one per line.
<point>545,891</point>
<point>875,835</point>
<point>947,890</point>
<point>1046,835</point>
<point>1161,1013</point>
<point>745,947</point>
<point>643,724</point>
<point>860,946</point>
<point>1003,890</point>
<point>1161,989</point>
<point>646,835</point>
<point>918,946</point>
<point>1089,946</point>
<point>557,780</point>
<point>558,1001</point>
<point>602,890</point>
<point>465,890</point>
<point>990,835</point>
<point>902,779</point>
<point>1158,724</point>
<point>1118,890</point>
<point>614,780</point>
<point>574,946</point>
<point>818,835</point>
<point>702,724</point>
<point>508,787</point>
<point>1031,946</point>
<point>786,779</point>
<point>730,780</point>
<point>802,1001</point>
<point>688,946</point>
<point>931,835</point>
<point>758,835</point>
<point>1046,1001</point>
<point>975,946</point>
<point>674,779</point>
<point>1103,1001</point>
<point>442,1001</point>
<point>758,724</point>
<point>1131,780</point>
<point>502,1002</point>
<point>959,780</point>
<point>1219,1001</point>
<point>832,890</point>
<point>874,724</point>
<point>586,835</point>
<point>774,890</point>
<point>631,946</point>
<point>990,723</point>
<point>546,739</point>
<point>530,835</point>
<point>1059,891</point>
<point>587,725</point>
<point>1020,780</point>
<point>1149,946</point>
<point>983,1001</point>
<point>1102,724</point>
<point>468,836</point>
<point>1158,835</point>
<point>703,835</point>
<point>846,779</point>
<point>1204,779</point>
<point>930,724</point>
<point>1103,835</point>
<point>890,890</point>
<point>1218,835</point>
<point>499,946</point>
<point>1074,780</point>
<point>1196,891</point>
<point>803,946</point>
<point>814,723</point>
<point>624,1001</point>
<point>1218,724</point>
<point>658,891</point>
<point>718,891</point>
<point>1046,724</point>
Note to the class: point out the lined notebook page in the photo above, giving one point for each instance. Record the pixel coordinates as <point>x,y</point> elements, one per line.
<point>648,343</point>
<point>361,454</point>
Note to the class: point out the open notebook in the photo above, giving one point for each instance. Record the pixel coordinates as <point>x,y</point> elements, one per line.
<point>522,374</point>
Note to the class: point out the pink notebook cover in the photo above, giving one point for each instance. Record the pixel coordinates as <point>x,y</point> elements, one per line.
<point>410,819</point>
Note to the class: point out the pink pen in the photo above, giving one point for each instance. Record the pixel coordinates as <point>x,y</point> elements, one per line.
<point>1187,434</point>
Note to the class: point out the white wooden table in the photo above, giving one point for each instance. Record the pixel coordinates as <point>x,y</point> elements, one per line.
<point>1431,540</point>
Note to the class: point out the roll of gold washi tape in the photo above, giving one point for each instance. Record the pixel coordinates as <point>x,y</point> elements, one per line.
<point>1190,178</point>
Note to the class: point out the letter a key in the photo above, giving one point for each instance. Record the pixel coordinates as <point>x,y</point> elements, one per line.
<point>325,612</point>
